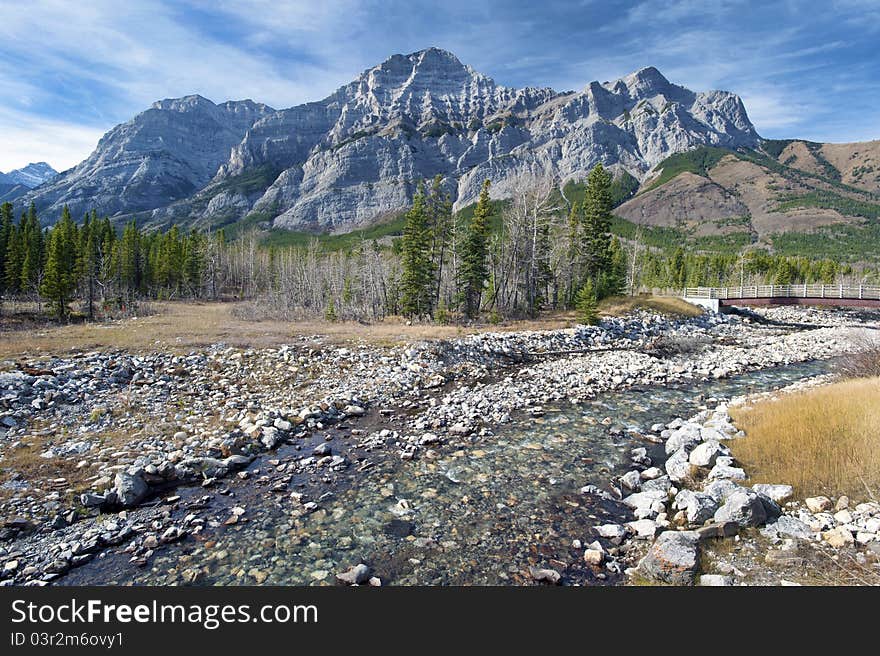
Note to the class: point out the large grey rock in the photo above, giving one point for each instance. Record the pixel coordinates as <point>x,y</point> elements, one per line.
<point>699,507</point>
<point>789,527</point>
<point>662,483</point>
<point>744,508</point>
<point>705,454</point>
<point>724,470</point>
<point>644,529</point>
<point>645,499</point>
<point>130,487</point>
<point>344,161</point>
<point>678,466</point>
<point>771,508</point>
<point>686,437</point>
<point>721,489</point>
<point>779,493</point>
<point>611,531</point>
<point>673,558</point>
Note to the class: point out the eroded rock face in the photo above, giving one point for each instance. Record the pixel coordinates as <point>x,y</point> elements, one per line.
<point>356,156</point>
<point>163,154</point>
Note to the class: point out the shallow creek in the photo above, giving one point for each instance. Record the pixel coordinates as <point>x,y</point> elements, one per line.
<point>479,514</point>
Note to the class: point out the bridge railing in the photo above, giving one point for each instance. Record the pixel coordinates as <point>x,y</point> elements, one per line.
<point>869,292</point>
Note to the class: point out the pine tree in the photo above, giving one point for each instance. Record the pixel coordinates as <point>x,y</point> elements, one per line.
<point>7,232</point>
<point>596,215</point>
<point>59,281</point>
<point>473,268</point>
<point>417,271</point>
<point>34,252</point>
<point>586,304</point>
<point>573,255</point>
<point>613,281</point>
<point>129,264</point>
<point>678,269</point>
<point>15,257</point>
<point>441,226</point>
<point>193,263</point>
<point>87,264</point>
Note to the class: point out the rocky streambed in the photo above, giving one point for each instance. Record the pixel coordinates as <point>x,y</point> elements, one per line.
<point>496,458</point>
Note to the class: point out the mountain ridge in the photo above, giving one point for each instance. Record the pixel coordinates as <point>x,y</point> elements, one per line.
<point>345,161</point>
<point>30,176</point>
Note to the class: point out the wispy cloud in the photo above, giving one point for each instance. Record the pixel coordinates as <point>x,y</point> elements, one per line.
<point>34,139</point>
<point>87,66</point>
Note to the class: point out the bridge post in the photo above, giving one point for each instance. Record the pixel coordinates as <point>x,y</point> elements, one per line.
<point>823,291</point>
<point>860,292</point>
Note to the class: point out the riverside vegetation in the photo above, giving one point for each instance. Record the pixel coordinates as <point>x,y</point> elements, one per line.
<point>541,251</point>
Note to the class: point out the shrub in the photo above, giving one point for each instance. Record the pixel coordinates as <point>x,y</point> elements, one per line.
<point>863,363</point>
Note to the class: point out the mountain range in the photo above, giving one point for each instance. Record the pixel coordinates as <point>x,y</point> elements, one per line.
<point>354,159</point>
<point>20,181</point>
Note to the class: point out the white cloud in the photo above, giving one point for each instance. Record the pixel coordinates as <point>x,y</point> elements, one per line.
<point>104,61</point>
<point>144,51</point>
<point>771,111</point>
<point>27,139</point>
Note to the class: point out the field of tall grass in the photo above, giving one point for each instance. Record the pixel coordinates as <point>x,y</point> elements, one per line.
<point>822,441</point>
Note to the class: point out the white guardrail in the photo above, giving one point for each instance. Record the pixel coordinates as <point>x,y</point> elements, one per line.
<point>786,291</point>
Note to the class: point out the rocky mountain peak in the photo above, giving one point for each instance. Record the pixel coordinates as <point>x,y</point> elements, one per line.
<point>183,104</point>
<point>647,80</point>
<point>30,176</point>
<point>344,161</point>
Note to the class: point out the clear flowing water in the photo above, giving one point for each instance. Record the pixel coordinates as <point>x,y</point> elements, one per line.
<point>477,515</point>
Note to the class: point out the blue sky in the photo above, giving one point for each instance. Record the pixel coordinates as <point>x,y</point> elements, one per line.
<point>69,71</point>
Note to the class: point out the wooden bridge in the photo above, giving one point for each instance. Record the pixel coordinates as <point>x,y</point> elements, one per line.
<point>715,298</point>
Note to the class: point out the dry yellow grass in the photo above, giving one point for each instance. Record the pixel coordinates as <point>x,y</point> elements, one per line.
<point>822,441</point>
<point>616,306</point>
<point>185,326</point>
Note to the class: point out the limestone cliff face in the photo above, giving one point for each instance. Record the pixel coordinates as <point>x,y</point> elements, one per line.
<point>356,156</point>
<point>163,154</point>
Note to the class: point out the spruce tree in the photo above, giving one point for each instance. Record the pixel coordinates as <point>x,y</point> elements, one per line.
<point>473,268</point>
<point>59,281</point>
<point>33,253</point>
<point>14,257</point>
<point>417,275</point>
<point>586,304</point>
<point>193,264</point>
<point>7,231</point>
<point>87,263</point>
<point>130,266</point>
<point>440,226</point>
<point>596,215</point>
